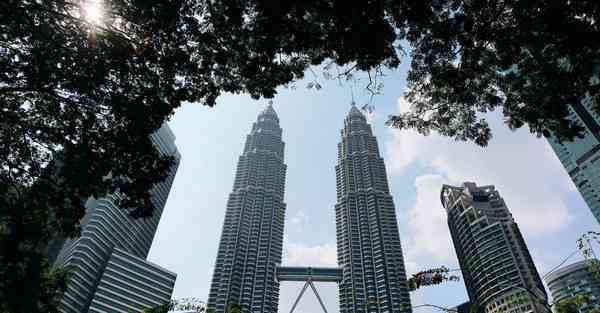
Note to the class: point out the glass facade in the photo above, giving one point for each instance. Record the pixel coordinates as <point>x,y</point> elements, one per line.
<point>251,241</point>
<point>368,243</point>
<point>130,284</point>
<point>497,268</point>
<point>109,233</point>
<point>581,157</point>
<point>572,280</point>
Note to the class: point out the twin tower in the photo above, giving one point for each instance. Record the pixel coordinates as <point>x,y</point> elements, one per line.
<point>371,273</point>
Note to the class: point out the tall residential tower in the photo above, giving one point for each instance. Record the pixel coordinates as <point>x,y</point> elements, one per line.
<point>252,237</point>
<point>368,243</point>
<point>581,157</point>
<point>108,267</point>
<point>497,268</point>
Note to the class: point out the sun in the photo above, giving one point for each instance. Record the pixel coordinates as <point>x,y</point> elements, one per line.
<point>93,11</point>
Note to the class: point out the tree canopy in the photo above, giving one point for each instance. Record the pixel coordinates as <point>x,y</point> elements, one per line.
<point>531,59</point>
<point>79,98</point>
<point>574,304</point>
<point>431,277</point>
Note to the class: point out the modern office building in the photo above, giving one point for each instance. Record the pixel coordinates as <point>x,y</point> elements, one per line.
<point>251,241</point>
<point>130,284</point>
<point>497,268</point>
<point>108,270</point>
<point>368,242</point>
<point>581,157</point>
<point>573,280</point>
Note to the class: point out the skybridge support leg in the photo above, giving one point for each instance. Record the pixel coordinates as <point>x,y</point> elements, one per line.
<point>299,296</point>
<point>314,289</point>
<point>317,294</point>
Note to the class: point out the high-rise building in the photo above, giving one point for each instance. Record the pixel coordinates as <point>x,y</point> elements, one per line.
<point>108,270</point>
<point>573,280</point>
<point>368,242</point>
<point>581,157</point>
<point>131,284</point>
<point>497,268</point>
<point>252,237</point>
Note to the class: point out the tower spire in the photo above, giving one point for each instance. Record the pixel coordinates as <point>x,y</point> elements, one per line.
<point>269,109</point>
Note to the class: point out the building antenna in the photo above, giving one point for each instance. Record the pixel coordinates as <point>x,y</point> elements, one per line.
<point>352,95</point>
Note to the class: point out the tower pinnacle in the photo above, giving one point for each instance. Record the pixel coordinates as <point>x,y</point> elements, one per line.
<point>269,109</point>
<point>354,110</point>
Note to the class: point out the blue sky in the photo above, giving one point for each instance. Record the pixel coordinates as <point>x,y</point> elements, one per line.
<point>544,202</point>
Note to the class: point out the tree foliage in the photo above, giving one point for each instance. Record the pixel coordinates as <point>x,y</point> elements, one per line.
<point>79,99</point>
<point>585,245</point>
<point>234,308</point>
<point>183,304</point>
<point>572,304</point>
<point>531,59</point>
<point>431,277</point>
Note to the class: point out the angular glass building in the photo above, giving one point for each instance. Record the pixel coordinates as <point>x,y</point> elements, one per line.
<point>131,284</point>
<point>252,236</point>
<point>573,280</point>
<point>107,263</point>
<point>368,242</point>
<point>497,268</point>
<point>581,157</point>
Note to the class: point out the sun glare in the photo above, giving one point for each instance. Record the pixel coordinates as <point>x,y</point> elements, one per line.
<point>92,11</point>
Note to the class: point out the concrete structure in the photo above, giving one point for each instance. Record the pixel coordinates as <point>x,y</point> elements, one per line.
<point>130,284</point>
<point>496,265</point>
<point>581,157</point>
<point>572,280</point>
<point>109,272</point>
<point>252,237</point>
<point>368,243</point>
<point>309,275</point>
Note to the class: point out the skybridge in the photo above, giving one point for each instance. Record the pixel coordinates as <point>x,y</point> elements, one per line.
<point>308,275</point>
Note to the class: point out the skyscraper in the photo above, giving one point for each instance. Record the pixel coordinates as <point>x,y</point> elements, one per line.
<point>252,237</point>
<point>573,280</point>
<point>496,265</point>
<point>107,263</point>
<point>581,157</point>
<point>368,242</point>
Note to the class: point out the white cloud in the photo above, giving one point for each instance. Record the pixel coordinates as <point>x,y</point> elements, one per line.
<point>429,235</point>
<point>522,167</point>
<point>403,105</point>
<point>297,254</point>
<point>299,219</point>
<point>371,116</point>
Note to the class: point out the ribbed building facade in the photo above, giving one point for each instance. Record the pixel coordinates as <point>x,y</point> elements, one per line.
<point>574,280</point>
<point>110,235</point>
<point>497,268</point>
<point>581,157</point>
<point>251,241</point>
<point>131,284</point>
<point>368,242</point>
